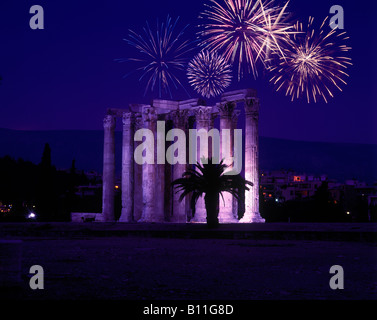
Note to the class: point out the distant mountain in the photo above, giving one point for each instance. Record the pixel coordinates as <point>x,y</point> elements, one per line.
<point>340,161</point>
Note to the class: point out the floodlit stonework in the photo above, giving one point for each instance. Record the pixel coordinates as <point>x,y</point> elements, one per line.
<point>147,195</point>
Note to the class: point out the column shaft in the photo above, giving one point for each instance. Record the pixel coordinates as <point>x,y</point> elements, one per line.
<point>138,177</point>
<point>127,168</point>
<point>235,116</point>
<point>226,214</point>
<point>251,161</point>
<point>159,214</point>
<point>108,176</point>
<point>204,120</point>
<point>180,119</point>
<point>149,213</point>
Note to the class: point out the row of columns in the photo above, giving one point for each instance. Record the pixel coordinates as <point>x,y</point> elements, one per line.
<point>142,188</point>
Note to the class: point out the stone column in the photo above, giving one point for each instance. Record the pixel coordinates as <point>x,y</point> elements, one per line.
<point>168,175</point>
<point>251,161</point>
<point>204,120</point>
<point>108,175</point>
<point>138,176</point>
<point>127,167</point>
<point>191,125</point>
<point>180,121</point>
<point>236,114</point>
<point>226,214</point>
<point>160,172</point>
<point>149,117</point>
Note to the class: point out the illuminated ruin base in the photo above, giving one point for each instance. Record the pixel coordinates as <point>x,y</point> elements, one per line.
<point>147,195</point>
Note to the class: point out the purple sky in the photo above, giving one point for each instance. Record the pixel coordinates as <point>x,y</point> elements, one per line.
<point>64,77</point>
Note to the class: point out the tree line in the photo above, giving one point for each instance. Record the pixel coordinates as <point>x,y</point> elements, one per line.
<point>39,188</point>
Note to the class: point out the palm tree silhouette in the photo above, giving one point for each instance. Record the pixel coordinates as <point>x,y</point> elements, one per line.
<point>209,179</point>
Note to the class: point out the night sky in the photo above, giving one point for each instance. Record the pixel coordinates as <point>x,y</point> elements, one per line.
<point>64,77</point>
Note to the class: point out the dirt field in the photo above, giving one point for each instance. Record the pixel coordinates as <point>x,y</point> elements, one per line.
<point>163,268</point>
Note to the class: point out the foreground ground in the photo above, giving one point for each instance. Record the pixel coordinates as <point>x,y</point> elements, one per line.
<point>135,267</point>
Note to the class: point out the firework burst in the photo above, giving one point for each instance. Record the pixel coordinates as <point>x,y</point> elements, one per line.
<point>245,31</point>
<point>162,54</point>
<point>209,73</point>
<point>314,64</point>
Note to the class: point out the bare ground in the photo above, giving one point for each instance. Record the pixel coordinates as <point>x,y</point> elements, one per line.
<point>183,269</point>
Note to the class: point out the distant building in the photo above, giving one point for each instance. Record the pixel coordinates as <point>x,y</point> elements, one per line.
<point>94,177</point>
<point>85,191</point>
<point>94,185</point>
<point>285,185</point>
<point>357,199</point>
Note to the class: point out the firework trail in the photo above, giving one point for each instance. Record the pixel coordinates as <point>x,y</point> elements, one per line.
<point>314,64</point>
<point>162,54</point>
<point>245,31</point>
<point>209,73</point>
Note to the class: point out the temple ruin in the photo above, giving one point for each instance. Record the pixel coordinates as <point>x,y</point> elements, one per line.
<point>147,194</point>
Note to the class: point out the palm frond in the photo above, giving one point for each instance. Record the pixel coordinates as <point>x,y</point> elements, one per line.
<point>209,178</point>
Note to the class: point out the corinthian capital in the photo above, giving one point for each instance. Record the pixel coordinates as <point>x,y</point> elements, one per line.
<point>149,114</point>
<point>203,113</point>
<point>128,118</point>
<point>138,121</point>
<point>252,107</point>
<point>227,109</point>
<point>109,121</point>
<point>180,118</point>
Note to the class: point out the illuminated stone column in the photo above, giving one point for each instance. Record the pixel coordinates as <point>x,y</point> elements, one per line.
<point>160,137</point>
<point>149,117</point>
<point>138,176</point>
<point>227,109</point>
<point>108,175</point>
<point>204,120</point>
<point>191,125</point>
<point>180,121</point>
<point>236,114</point>
<point>251,161</point>
<point>127,167</point>
<point>168,176</point>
